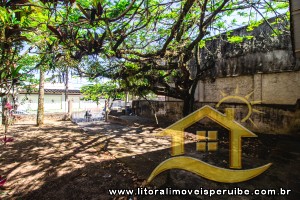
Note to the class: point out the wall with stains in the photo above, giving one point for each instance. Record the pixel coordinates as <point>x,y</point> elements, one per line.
<point>264,118</point>
<point>273,88</point>
<point>264,64</point>
<point>262,71</point>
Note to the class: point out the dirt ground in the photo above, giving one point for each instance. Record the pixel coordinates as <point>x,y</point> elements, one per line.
<point>62,160</point>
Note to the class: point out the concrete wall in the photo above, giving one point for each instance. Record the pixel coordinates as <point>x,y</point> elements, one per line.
<point>295,25</point>
<point>264,53</point>
<point>267,118</point>
<point>275,88</point>
<point>275,99</point>
<point>264,64</point>
<point>165,109</point>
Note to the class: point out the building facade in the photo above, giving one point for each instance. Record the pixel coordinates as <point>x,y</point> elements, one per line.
<point>54,101</point>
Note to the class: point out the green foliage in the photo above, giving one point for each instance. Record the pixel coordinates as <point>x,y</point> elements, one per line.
<point>202,44</point>
<point>276,32</point>
<point>254,24</point>
<point>235,39</point>
<point>108,90</point>
<point>145,45</point>
<point>249,37</point>
<point>239,39</point>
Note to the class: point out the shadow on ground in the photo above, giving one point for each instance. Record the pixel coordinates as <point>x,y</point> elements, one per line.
<point>64,161</point>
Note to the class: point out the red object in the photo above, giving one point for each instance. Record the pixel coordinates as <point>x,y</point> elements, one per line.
<point>8,106</point>
<point>6,139</point>
<point>2,181</point>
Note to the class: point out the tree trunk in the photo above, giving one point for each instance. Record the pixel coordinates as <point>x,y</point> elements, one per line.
<point>5,115</point>
<point>127,99</point>
<point>40,111</point>
<point>188,103</point>
<point>186,106</point>
<point>67,90</point>
<point>4,101</point>
<point>106,110</point>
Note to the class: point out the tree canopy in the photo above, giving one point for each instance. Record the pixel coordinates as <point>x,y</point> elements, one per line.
<point>147,45</point>
<point>98,91</point>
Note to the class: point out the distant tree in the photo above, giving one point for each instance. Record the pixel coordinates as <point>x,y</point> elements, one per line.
<point>109,91</point>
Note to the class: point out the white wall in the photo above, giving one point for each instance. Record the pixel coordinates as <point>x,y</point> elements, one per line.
<point>54,103</point>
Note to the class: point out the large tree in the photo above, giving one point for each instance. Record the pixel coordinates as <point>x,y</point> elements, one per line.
<point>155,45</point>
<point>149,45</point>
<point>14,23</point>
<point>24,42</point>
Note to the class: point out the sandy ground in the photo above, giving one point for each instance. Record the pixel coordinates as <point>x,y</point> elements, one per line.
<point>60,161</point>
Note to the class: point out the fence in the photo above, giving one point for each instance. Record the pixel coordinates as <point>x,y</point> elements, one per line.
<point>80,116</point>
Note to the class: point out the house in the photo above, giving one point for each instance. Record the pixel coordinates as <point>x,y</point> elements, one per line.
<point>54,100</point>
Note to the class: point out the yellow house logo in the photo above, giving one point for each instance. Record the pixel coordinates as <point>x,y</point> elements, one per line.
<point>237,132</point>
